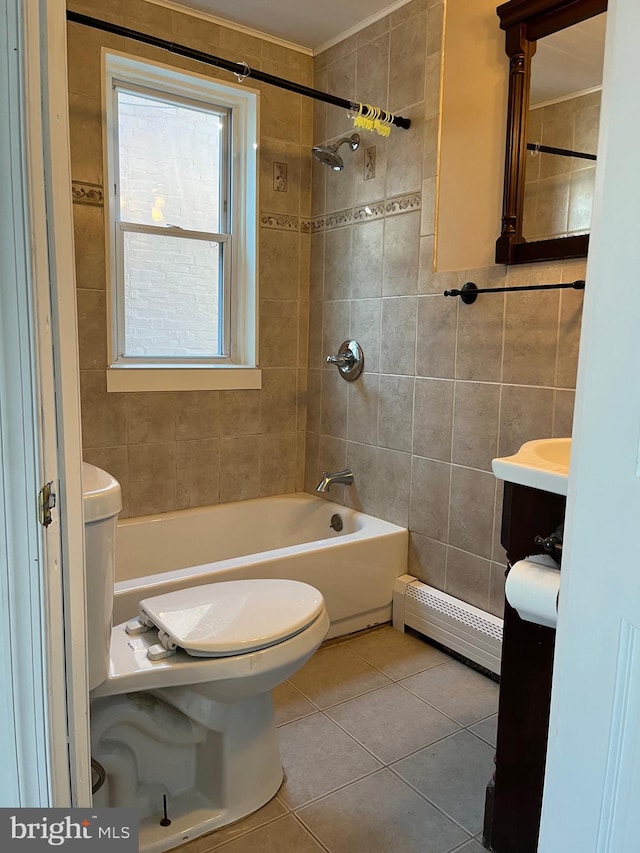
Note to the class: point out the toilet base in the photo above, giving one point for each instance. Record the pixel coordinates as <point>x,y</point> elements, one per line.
<point>192,816</point>
<point>215,762</point>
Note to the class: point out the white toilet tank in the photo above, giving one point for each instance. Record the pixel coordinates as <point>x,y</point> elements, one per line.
<point>102,502</point>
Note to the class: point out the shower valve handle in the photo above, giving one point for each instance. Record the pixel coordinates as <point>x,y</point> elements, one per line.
<point>344,360</point>
<point>349,360</point>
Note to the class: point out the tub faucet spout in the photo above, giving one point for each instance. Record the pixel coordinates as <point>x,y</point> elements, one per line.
<point>345,477</point>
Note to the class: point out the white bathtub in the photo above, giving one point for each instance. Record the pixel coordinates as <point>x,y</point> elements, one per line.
<point>280,537</point>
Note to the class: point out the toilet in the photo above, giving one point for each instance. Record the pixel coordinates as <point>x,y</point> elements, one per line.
<point>182,719</point>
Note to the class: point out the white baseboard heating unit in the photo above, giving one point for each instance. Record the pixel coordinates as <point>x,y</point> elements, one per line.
<point>453,623</point>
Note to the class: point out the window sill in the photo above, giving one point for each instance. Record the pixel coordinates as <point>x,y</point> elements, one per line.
<point>183,378</point>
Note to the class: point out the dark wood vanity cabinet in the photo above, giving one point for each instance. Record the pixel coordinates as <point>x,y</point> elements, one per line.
<point>514,796</point>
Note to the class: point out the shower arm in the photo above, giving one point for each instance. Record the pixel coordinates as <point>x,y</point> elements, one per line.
<point>240,69</point>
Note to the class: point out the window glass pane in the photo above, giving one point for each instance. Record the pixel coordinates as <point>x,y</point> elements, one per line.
<point>171,296</point>
<point>170,158</point>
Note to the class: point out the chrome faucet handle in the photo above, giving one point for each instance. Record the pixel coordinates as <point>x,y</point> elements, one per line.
<point>344,360</point>
<point>349,360</point>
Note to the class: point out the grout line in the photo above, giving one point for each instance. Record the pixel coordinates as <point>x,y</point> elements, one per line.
<point>434,805</point>
<point>308,829</point>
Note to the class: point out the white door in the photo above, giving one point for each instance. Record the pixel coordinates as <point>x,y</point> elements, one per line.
<point>592,788</point>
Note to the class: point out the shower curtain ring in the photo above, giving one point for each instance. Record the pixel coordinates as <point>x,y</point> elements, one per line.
<point>247,72</point>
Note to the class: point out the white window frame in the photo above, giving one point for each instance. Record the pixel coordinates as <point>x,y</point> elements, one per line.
<point>237,368</point>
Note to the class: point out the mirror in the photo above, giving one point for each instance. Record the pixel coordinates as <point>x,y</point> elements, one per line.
<point>555,78</point>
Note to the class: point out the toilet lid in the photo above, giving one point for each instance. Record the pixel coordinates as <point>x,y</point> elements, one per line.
<point>233,617</point>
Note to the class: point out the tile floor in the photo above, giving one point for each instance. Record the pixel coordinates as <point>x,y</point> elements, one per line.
<point>387,745</point>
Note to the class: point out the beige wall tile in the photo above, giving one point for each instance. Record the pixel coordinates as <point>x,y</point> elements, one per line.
<point>365,328</point>
<point>401,255</point>
<point>563,413</point>
<point>92,329</point>
<point>280,114</point>
<point>240,413</point>
<point>314,396</point>
<point>104,416</point>
<point>312,473</point>
<point>393,472</point>
<point>363,461</point>
<point>525,414</point>
<point>88,236</point>
<point>395,412</point>
<point>197,473</point>
<point>278,333</point>
<point>341,80</point>
<point>152,478</point>
<point>278,400</point>
<point>337,263</point>
<point>404,163</point>
<point>239,468</point>
<point>398,343</point>
<point>372,71</point>
<point>366,260</point>
<point>433,415</point>
<point>569,338</point>
<point>468,576</point>
<point>362,423</point>
<point>279,263</point>
<point>197,414</point>
<point>333,416</point>
<point>277,463</point>
<point>85,135</point>
<point>436,345</point>
<point>475,424</point>
<point>429,513</point>
<point>151,417</point>
<point>406,63</point>
<point>427,560</point>
<point>471,520</point>
<point>530,338</point>
<point>479,347</point>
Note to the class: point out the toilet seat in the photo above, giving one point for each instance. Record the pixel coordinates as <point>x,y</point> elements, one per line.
<point>231,617</point>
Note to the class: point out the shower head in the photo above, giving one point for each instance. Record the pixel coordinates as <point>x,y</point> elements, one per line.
<point>328,155</point>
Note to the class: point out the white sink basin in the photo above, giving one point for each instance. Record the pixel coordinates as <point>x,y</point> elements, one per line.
<point>541,464</point>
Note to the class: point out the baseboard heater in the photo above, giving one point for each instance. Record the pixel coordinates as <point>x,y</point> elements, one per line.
<point>452,623</point>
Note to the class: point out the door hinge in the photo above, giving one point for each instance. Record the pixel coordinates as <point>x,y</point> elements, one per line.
<point>46,502</point>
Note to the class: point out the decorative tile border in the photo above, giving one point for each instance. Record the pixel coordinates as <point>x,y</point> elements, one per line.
<point>305,226</point>
<point>85,193</point>
<point>367,212</point>
<point>280,221</point>
<point>374,210</point>
<point>338,219</point>
<point>403,203</point>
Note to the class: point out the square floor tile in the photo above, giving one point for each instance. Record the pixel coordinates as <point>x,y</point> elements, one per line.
<point>319,757</point>
<point>380,814</point>
<point>487,729</point>
<point>453,773</point>
<point>272,810</point>
<point>286,835</point>
<point>289,704</point>
<point>398,655</point>
<point>391,722</point>
<point>457,690</point>
<point>334,675</point>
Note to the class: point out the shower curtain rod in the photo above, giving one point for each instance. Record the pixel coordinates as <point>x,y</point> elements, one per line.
<point>240,69</point>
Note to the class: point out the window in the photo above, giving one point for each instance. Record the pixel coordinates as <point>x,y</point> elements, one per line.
<point>181,166</point>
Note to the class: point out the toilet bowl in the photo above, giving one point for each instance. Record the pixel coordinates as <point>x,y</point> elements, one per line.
<point>181,713</point>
